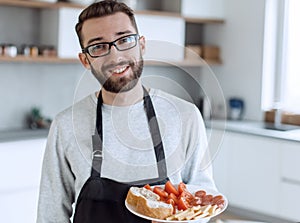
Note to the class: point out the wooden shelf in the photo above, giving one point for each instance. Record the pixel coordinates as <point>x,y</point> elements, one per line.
<point>203,20</point>
<point>37,4</point>
<point>56,60</point>
<point>57,5</point>
<point>39,59</point>
<point>183,63</point>
<point>178,15</point>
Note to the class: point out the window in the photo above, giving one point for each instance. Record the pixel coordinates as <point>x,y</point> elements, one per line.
<point>291,68</point>
<point>281,66</point>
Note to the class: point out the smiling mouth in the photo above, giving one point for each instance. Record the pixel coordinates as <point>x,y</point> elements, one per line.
<point>120,70</point>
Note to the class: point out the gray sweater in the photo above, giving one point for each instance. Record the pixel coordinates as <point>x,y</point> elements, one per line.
<point>128,153</point>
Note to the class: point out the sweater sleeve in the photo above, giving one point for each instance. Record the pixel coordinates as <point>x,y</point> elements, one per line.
<point>57,181</point>
<point>198,165</point>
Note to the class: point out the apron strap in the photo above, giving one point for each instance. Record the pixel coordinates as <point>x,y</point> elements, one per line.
<point>155,135</point>
<point>96,155</point>
<point>97,139</point>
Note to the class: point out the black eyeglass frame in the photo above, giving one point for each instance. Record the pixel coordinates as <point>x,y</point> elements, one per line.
<point>110,44</point>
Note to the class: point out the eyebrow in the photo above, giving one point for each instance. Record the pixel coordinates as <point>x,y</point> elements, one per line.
<point>94,40</point>
<point>98,39</point>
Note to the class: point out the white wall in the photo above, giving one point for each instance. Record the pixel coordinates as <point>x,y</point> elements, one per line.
<point>241,43</point>
<point>23,86</point>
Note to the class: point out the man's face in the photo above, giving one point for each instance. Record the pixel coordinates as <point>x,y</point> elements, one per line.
<point>120,70</point>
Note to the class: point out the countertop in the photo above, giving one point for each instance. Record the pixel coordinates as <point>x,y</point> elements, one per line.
<point>22,134</point>
<point>255,128</point>
<point>243,126</point>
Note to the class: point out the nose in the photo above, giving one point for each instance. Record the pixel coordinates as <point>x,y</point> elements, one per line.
<point>114,54</point>
<point>113,48</point>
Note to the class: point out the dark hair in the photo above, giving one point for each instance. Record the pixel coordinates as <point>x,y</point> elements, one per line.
<point>100,9</point>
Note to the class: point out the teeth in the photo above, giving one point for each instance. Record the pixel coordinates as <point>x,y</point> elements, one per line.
<point>118,71</point>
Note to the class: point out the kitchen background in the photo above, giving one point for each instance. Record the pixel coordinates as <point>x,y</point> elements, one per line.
<point>254,166</point>
<point>51,86</point>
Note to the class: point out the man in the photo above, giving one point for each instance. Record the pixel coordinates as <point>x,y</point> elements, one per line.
<point>126,134</point>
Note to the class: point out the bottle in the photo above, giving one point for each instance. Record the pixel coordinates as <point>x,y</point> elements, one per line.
<point>278,113</point>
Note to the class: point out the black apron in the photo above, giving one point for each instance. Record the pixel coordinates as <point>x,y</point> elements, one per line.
<point>102,199</point>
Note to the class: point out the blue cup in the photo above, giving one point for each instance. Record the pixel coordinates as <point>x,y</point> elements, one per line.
<point>236,106</point>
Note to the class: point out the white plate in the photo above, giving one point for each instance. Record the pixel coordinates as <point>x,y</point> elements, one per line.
<point>192,189</point>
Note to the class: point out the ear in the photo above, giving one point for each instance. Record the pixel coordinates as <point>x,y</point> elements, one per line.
<point>142,42</point>
<point>84,60</point>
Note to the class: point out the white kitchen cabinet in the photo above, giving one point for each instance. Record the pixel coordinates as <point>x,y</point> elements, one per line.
<point>290,181</point>
<point>165,36</point>
<point>58,29</point>
<point>220,159</point>
<point>260,174</point>
<point>254,173</point>
<point>19,205</point>
<point>290,161</point>
<point>249,168</point>
<point>203,8</point>
<point>289,201</point>
<point>20,170</point>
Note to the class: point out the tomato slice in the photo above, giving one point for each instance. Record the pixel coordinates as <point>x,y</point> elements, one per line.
<point>161,192</point>
<point>181,187</point>
<point>187,196</point>
<point>148,187</point>
<point>182,204</point>
<point>170,188</point>
<point>173,197</point>
<point>171,201</point>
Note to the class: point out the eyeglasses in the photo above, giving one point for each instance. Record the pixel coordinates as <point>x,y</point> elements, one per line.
<point>103,49</point>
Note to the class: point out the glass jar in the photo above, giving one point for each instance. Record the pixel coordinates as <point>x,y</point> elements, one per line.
<point>10,50</point>
<point>34,51</point>
<point>25,50</point>
<point>1,50</point>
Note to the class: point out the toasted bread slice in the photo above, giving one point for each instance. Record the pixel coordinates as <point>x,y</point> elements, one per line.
<point>148,203</point>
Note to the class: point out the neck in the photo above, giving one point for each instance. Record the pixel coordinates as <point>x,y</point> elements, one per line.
<point>123,98</point>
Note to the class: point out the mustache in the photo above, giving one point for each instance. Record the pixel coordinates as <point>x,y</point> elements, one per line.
<point>113,65</point>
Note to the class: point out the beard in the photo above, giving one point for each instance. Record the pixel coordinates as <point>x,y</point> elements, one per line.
<point>119,84</point>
